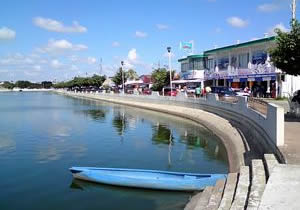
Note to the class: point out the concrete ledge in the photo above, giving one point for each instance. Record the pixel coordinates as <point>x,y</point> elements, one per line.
<point>204,199</point>
<point>282,190</point>
<point>229,190</point>
<point>193,202</point>
<point>242,190</point>
<point>216,195</point>
<point>258,184</point>
<point>270,162</point>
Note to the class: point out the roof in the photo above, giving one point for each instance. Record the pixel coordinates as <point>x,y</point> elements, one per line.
<point>192,57</point>
<point>267,39</point>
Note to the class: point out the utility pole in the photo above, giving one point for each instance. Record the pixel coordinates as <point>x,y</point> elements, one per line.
<point>100,66</point>
<point>170,68</point>
<point>293,7</point>
<point>122,68</point>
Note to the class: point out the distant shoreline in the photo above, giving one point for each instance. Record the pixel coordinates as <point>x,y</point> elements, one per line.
<point>24,90</point>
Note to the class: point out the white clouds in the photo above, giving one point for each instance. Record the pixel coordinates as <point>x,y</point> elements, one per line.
<point>268,7</point>
<point>140,34</point>
<point>271,31</point>
<point>91,60</point>
<point>162,26</point>
<point>6,33</point>
<point>56,64</point>
<point>132,55</point>
<point>237,22</point>
<point>116,44</point>
<point>54,25</point>
<point>60,46</point>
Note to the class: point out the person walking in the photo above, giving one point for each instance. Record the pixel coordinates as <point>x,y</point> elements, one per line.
<point>198,91</point>
<point>208,89</point>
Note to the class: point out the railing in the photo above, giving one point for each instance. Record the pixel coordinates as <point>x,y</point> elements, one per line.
<point>229,99</point>
<point>258,105</point>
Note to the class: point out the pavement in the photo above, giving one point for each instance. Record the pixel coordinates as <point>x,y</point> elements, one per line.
<point>291,148</point>
<point>282,190</point>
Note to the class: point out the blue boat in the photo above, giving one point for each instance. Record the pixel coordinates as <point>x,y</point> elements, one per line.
<point>149,179</point>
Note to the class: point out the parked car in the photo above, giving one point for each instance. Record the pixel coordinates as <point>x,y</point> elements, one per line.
<point>191,89</point>
<point>223,91</point>
<point>147,91</point>
<point>241,92</point>
<point>168,92</point>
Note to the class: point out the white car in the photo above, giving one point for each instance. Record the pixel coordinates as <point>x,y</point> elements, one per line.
<point>241,92</point>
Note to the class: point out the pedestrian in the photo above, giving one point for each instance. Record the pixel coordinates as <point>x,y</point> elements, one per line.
<point>198,91</point>
<point>208,89</point>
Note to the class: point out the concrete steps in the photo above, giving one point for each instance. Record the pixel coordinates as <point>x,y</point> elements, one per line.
<point>204,199</point>
<point>216,195</point>
<point>229,191</point>
<point>258,184</point>
<point>240,191</point>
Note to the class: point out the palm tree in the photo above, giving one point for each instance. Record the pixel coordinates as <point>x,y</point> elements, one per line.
<point>132,75</point>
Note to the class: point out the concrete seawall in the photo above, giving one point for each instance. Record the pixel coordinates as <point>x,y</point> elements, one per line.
<point>231,138</point>
<point>249,134</point>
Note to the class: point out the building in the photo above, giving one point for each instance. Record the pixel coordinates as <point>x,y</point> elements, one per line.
<point>192,71</point>
<point>246,65</point>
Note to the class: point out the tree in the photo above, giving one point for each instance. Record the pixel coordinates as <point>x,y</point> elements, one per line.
<point>161,78</point>
<point>286,55</point>
<point>132,75</point>
<point>46,84</point>
<point>117,79</point>
<point>8,85</point>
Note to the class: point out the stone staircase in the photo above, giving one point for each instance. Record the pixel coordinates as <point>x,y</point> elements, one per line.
<point>241,190</point>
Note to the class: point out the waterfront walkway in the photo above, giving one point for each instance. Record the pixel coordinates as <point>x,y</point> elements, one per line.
<point>291,148</point>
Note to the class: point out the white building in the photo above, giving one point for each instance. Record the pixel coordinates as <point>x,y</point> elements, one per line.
<point>246,64</point>
<point>192,70</point>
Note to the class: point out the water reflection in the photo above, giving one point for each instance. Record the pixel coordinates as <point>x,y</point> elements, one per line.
<point>161,134</point>
<point>164,200</point>
<point>212,148</point>
<point>7,144</point>
<point>120,122</point>
<point>95,114</point>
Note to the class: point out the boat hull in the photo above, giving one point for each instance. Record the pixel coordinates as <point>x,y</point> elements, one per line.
<point>149,179</point>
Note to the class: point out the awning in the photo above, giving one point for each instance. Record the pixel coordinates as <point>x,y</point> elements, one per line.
<point>132,82</point>
<point>186,81</point>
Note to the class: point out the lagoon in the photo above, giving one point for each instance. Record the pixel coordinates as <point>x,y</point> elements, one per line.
<point>43,134</point>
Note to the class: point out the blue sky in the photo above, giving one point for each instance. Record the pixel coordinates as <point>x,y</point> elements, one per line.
<point>60,39</point>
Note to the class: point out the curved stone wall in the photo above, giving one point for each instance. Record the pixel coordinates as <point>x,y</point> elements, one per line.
<point>229,135</point>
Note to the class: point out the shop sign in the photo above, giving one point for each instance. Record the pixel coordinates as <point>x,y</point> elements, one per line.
<point>267,78</point>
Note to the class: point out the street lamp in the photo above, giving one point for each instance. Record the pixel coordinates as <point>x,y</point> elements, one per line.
<point>170,69</point>
<point>122,63</point>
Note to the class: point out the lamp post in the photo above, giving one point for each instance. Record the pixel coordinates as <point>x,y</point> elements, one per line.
<point>122,63</point>
<point>170,69</point>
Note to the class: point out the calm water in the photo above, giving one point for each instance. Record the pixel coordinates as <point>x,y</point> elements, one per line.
<point>43,134</point>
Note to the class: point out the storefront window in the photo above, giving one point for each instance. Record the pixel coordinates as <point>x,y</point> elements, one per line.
<point>243,60</point>
<point>223,63</point>
<point>259,57</point>
<point>234,61</point>
<point>210,64</point>
<point>198,64</point>
<point>184,67</point>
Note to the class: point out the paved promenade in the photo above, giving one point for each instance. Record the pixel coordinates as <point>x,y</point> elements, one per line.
<point>283,188</point>
<point>291,149</point>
